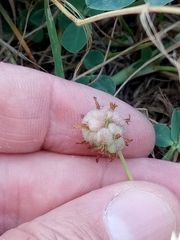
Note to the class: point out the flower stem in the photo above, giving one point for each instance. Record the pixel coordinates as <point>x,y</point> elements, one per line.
<point>125,166</point>
<point>169,155</point>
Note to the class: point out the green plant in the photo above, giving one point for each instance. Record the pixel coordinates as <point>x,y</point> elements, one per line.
<point>65,37</point>
<point>118,4</point>
<point>59,71</point>
<point>169,137</point>
<point>74,38</point>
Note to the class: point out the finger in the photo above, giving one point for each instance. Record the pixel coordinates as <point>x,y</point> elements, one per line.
<point>38,111</point>
<point>33,184</point>
<point>130,210</point>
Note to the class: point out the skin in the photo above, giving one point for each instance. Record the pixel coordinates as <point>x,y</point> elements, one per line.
<point>50,186</point>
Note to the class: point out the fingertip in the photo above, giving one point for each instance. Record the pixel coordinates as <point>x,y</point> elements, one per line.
<point>142,133</point>
<point>142,210</point>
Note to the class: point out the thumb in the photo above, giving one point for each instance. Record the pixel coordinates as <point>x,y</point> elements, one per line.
<point>129,210</point>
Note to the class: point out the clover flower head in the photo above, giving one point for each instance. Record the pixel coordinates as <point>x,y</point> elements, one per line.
<point>104,128</point>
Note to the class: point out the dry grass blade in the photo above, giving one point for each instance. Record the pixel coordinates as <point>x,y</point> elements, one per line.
<point>115,13</point>
<point>154,37</point>
<point>17,33</point>
<point>17,53</point>
<point>170,49</point>
<point>64,10</point>
<point>127,11</point>
<point>12,4</point>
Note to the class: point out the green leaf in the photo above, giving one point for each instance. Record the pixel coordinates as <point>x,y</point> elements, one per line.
<point>146,54</point>
<point>63,21</point>
<point>158,2</point>
<point>78,4</point>
<point>137,64</point>
<point>175,125</point>
<point>37,18</point>
<point>107,5</point>
<point>84,80</point>
<point>93,58</point>
<point>163,135</point>
<point>91,12</point>
<point>38,37</point>
<point>23,14</point>
<point>74,38</point>
<point>105,84</point>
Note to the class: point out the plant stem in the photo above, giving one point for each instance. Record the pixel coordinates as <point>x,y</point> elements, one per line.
<point>121,76</point>
<point>125,166</point>
<point>160,18</point>
<point>169,155</point>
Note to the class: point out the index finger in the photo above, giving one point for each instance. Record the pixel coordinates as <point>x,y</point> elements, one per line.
<point>38,111</point>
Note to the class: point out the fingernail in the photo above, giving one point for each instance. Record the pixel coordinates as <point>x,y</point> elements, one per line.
<point>138,214</point>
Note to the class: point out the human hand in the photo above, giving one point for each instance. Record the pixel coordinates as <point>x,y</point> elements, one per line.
<point>52,188</point>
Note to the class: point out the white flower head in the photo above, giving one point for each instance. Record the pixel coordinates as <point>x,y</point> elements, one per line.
<point>104,128</point>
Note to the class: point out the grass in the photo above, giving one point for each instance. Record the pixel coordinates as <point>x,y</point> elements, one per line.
<point>54,41</point>
<point>142,74</point>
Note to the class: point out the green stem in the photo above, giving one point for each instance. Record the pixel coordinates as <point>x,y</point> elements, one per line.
<point>169,155</point>
<point>160,18</point>
<point>125,166</point>
<point>124,74</point>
